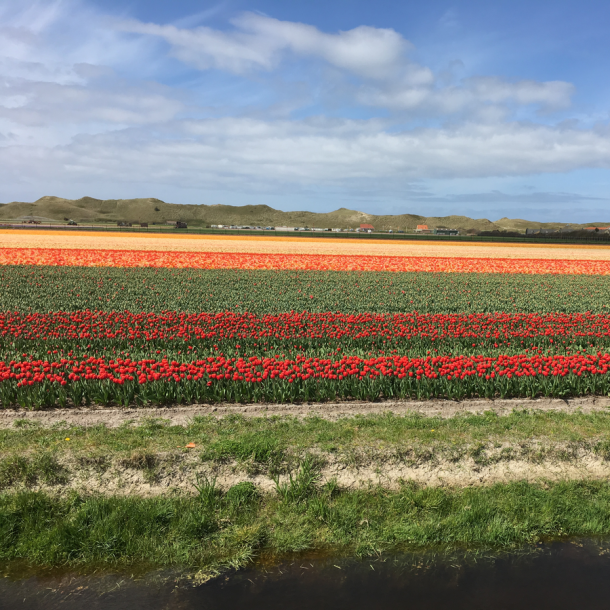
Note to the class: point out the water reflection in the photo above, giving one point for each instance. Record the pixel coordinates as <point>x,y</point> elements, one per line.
<point>573,575</point>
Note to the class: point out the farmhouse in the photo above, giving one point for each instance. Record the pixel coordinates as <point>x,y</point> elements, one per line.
<point>422,229</point>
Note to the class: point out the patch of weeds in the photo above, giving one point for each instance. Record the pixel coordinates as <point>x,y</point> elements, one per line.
<point>209,494</point>
<point>100,463</point>
<point>481,457</point>
<point>258,451</point>
<point>331,488</point>
<point>300,486</point>
<point>15,469</point>
<point>321,509</point>
<point>415,456</point>
<point>316,460</point>
<point>602,448</point>
<point>507,454</point>
<point>49,470</point>
<point>532,453</point>
<point>42,468</point>
<point>332,437</point>
<point>60,425</point>
<point>140,461</point>
<point>353,457</point>
<point>569,453</point>
<point>241,496</point>
<point>478,453</point>
<point>454,453</point>
<point>26,423</point>
<point>152,426</point>
<point>147,463</point>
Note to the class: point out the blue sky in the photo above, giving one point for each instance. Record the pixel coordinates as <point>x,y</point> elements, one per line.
<point>487,109</point>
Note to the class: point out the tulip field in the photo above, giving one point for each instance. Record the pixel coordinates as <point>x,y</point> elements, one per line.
<point>297,262</point>
<point>100,326</point>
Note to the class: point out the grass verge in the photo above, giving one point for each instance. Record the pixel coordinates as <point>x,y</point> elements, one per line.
<point>213,530</point>
<point>269,438</point>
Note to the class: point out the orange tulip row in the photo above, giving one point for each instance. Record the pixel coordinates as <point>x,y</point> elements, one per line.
<point>321,262</point>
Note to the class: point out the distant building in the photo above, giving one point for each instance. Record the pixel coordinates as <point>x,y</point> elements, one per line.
<point>539,231</point>
<point>446,232</point>
<point>367,227</point>
<point>285,229</point>
<point>422,229</point>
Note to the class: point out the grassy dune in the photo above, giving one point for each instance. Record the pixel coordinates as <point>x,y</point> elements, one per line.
<point>89,209</point>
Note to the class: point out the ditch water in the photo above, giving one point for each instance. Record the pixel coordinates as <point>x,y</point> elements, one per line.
<point>568,575</point>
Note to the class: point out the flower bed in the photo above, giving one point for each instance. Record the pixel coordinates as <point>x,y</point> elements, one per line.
<point>313,330</point>
<point>37,382</point>
<point>321,262</point>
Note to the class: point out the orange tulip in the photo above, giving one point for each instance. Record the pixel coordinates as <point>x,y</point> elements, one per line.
<point>303,262</point>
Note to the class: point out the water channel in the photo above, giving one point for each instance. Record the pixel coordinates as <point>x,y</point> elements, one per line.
<point>568,575</point>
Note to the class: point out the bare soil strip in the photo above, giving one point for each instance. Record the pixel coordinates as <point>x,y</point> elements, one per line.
<point>288,245</point>
<point>179,473</point>
<point>182,415</point>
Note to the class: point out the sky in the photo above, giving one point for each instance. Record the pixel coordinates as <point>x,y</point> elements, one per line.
<point>485,109</point>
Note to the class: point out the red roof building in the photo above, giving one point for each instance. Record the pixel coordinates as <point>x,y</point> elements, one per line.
<point>367,227</point>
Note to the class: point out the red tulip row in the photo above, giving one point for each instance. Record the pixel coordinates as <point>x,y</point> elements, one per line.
<point>316,328</point>
<point>36,382</point>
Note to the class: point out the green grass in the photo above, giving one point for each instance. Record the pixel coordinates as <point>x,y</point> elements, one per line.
<point>272,445</point>
<point>44,289</point>
<point>263,438</point>
<point>19,469</point>
<point>213,531</point>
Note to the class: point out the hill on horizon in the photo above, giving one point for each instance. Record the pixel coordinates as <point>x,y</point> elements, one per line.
<point>151,210</point>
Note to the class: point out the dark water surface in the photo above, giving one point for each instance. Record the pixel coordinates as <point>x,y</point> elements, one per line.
<point>572,575</point>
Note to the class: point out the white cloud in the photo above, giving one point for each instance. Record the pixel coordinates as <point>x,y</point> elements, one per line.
<point>260,42</point>
<point>368,51</point>
<point>377,55</point>
<point>247,154</point>
<point>57,35</point>
<point>57,77</point>
<point>470,95</point>
<point>551,94</point>
<point>28,102</point>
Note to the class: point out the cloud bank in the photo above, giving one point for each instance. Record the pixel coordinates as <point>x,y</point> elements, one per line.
<point>92,98</point>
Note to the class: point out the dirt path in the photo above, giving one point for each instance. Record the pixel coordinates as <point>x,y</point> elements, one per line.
<point>181,415</point>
